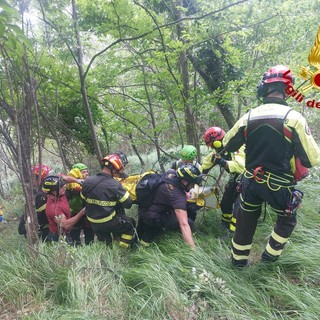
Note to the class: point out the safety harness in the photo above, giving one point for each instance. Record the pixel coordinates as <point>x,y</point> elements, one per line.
<point>260,173</point>
<point>277,181</point>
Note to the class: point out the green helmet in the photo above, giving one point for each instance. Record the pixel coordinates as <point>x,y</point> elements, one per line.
<point>188,152</point>
<point>80,166</point>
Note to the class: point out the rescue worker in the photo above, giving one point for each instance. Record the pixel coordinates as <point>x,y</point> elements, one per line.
<point>233,163</point>
<point>105,199</point>
<point>38,174</point>
<point>275,136</point>
<point>41,199</point>
<point>57,208</point>
<point>80,172</point>
<point>168,209</point>
<point>188,155</point>
<point>124,160</point>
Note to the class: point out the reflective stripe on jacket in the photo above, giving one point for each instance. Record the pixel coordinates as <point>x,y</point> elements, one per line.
<point>267,145</point>
<point>102,195</point>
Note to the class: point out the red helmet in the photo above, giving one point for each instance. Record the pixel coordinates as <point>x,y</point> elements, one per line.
<point>279,73</point>
<point>213,134</point>
<point>42,170</point>
<point>122,157</point>
<point>114,160</point>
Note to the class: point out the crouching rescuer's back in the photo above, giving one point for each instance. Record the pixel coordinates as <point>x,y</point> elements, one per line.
<point>106,201</point>
<point>168,208</point>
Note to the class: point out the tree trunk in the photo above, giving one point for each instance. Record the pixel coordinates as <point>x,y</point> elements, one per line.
<point>213,82</point>
<point>184,72</point>
<point>83,87</point>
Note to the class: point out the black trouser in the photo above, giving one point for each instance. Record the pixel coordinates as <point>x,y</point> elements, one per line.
<point>43,229</point>
<point>120,226</point>
<point>235,212</point>
<point>88,235</point>
<point>82,224</point>
<point>229,196</point>
<point>152,224</point>
<point>43,232</point>
<point>192,210</point>
<point>43,225</point>
<point>253,195</point>
<point>54,237</point>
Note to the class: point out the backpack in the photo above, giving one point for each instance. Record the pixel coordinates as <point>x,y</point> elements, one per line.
<point>147,187</point>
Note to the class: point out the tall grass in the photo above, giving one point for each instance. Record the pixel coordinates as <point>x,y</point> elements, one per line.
<point>167,280</point>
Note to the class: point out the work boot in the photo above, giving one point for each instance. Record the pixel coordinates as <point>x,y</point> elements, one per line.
<point>241,263</point>
<point>267,257</point>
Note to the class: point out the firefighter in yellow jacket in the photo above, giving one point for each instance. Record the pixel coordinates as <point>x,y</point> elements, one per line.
<point>232,162</point>
<point>275,136</point>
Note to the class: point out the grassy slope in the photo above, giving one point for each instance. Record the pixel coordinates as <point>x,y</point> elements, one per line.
<point>167,280</point>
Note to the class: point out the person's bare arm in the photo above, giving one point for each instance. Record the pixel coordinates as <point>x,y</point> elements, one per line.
<point>70,179</point>
<point>184,227</point>
<point>67,224</point>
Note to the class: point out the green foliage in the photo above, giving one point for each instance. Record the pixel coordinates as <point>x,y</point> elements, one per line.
<point>135,86</point>
<point>7,13</point>
<point>119,19</point>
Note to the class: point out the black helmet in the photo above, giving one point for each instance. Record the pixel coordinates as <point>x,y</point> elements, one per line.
<point>122,157</point>
<point>189,173</point>
<point>52,184</point>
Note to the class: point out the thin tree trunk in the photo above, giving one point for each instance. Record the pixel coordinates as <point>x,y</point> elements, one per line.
<point>136,150</point>
<point>211,83</point>
<point>184,72</point>
<point>83,87</point>
<point>19,145</point>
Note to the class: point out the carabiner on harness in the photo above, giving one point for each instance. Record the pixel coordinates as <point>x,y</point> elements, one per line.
<point>258,171</point>
<point>294,202</point>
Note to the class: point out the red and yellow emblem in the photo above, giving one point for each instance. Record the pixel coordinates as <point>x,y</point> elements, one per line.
<point>314,60</point>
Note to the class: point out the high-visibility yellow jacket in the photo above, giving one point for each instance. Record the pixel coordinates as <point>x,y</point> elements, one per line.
<point>76,173</point>
<point>274,134</point>
<point>235,160</point>
<point>130,183</point>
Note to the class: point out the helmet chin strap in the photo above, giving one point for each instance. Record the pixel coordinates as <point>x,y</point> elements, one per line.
<point>113,171</point>
<point>219,150</point>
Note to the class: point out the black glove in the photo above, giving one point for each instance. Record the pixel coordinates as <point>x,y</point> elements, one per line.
<point>220,161</point>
